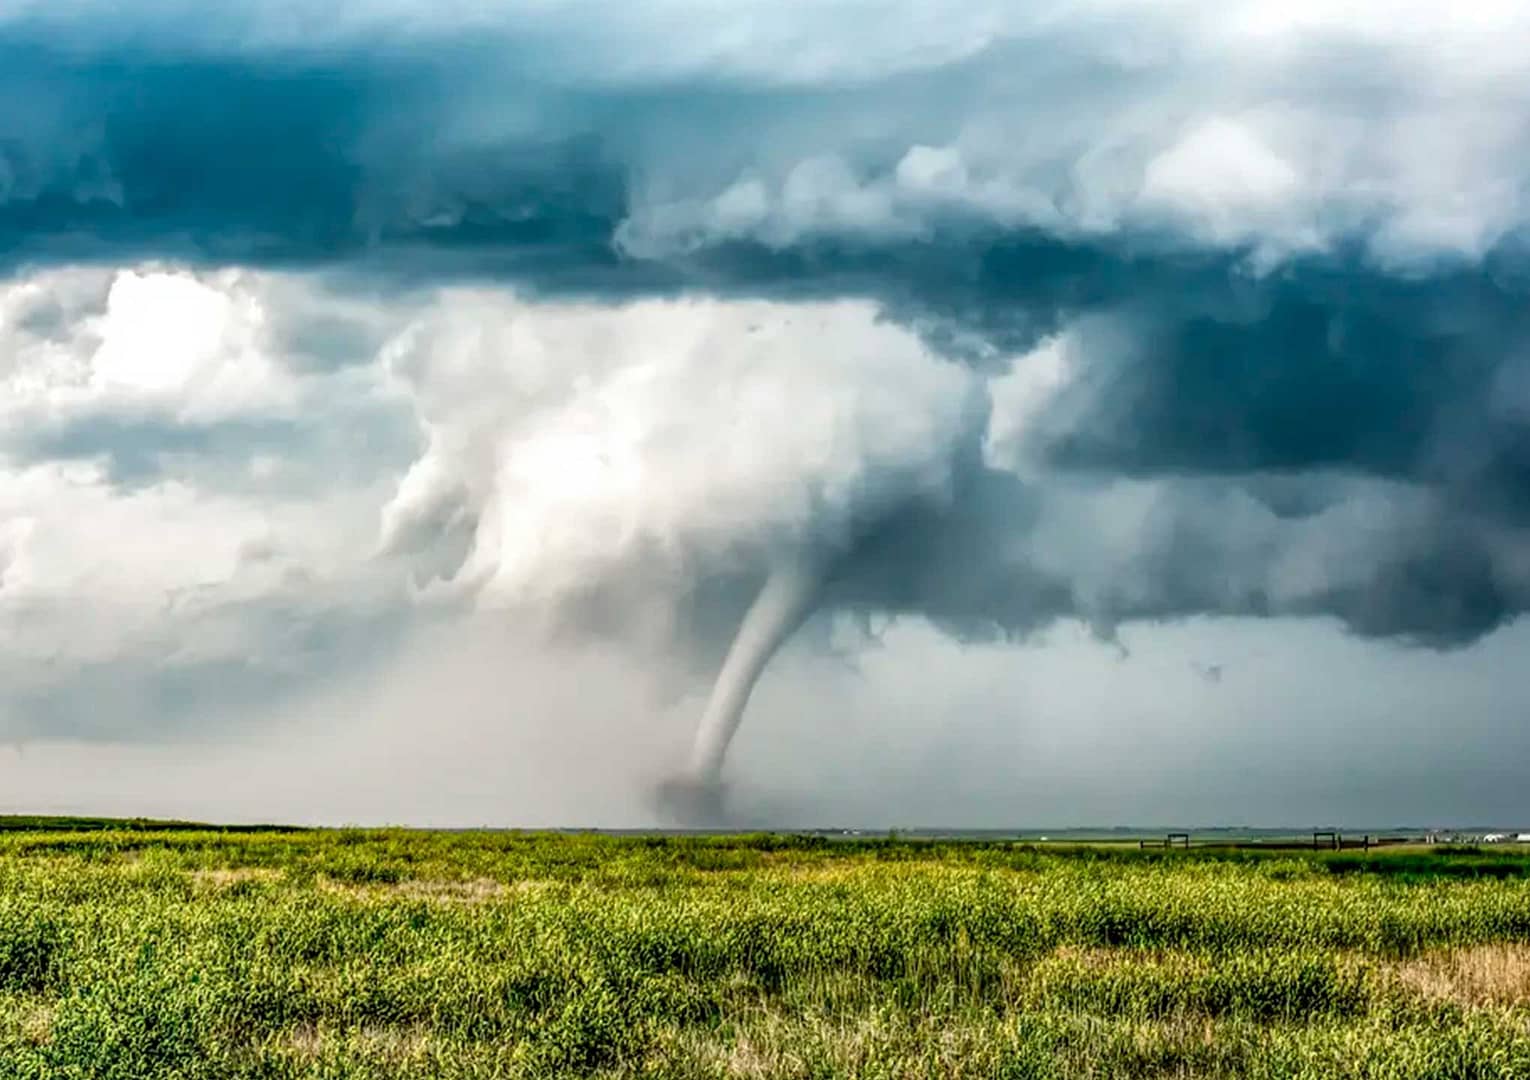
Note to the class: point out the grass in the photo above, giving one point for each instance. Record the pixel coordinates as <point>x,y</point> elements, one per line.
<point>194,953</point>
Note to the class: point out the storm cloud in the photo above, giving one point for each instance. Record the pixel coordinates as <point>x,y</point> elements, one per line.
<point>1101,311</point>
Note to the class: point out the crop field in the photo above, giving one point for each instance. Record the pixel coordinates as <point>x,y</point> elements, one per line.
<point>185,953</point>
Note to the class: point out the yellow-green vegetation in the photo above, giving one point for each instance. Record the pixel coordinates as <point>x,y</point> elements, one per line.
<point>140,954</point>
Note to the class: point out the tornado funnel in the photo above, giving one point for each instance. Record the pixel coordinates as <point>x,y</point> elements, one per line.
<point>784,602</point>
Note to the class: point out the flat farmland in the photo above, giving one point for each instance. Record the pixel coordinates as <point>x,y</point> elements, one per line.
<point>335,953</point>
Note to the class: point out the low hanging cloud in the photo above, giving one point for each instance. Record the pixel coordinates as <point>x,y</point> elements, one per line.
<point>1096,311</point>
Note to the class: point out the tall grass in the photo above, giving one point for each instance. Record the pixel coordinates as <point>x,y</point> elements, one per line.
<point>339,954</point>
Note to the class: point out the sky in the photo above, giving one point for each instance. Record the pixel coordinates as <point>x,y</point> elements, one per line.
<point>401,405</point>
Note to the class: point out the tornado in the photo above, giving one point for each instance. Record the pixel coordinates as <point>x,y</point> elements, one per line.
<point>784,602</point>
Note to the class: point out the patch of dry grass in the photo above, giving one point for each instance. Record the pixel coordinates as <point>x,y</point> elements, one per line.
<point>1496,974</point>
<point>230,876</point>
<point>466,891</point>
<point>34,1022</point>
<point>309,1042</point>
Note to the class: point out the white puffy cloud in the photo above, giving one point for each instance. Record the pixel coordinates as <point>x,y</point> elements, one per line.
<point>161,343</point>
<point>699,433</point>
<point>563,446</point>
<point>1226,126</point>
<point>162,492</point>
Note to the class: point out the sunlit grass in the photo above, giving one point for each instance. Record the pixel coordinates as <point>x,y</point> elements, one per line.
<point>339,954</point>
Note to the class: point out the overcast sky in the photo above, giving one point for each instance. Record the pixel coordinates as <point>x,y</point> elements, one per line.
<point>400,404</point>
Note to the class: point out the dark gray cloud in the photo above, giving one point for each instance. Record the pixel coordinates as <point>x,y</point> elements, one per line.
<point>133,153</point>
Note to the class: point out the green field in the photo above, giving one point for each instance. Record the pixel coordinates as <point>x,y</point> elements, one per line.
<point>185,953</point>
